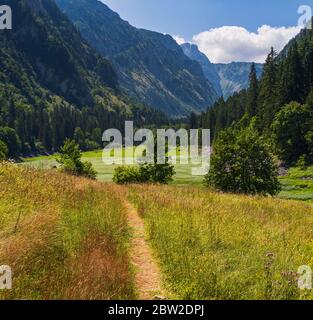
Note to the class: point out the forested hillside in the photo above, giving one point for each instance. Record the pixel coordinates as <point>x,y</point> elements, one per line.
<point>53,85</point>
<point>281,101</point>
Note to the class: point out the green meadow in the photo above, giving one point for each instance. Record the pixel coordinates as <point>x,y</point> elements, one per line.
<point>297,185</point>
<point>105,171</point>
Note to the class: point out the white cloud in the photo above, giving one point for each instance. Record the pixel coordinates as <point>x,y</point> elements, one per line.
<point>179,39</point>
<point>231,43</point>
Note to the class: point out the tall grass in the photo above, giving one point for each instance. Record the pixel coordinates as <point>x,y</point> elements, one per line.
<point>64,237</point>
<point>215,246</point>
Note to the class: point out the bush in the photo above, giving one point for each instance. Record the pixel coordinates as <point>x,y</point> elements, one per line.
<point>146,173</point>
<point>127,175</point>
<point>70,161</point>
<point>3,151</point>
<point>157,173</point>
<point>242,163</point>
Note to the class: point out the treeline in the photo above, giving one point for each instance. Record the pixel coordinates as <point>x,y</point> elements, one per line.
<point>281,102</point>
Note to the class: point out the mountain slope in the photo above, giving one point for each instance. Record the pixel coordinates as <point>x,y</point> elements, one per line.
<point>46,40</point>
<point>209,70</point>
<point>151,66</point>
<point>235,76</point>
<point>52,82</point>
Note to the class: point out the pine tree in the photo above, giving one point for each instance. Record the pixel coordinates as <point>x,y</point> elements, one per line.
<point>252,92</point>
<point>193,121</point>
<point>267,99</point>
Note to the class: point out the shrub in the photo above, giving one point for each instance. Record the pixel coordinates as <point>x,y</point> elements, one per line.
<point>157,173</point>
<point>146,173</point>
<point>70,161</point>
<point>126,175</point>
<point>242,163</point>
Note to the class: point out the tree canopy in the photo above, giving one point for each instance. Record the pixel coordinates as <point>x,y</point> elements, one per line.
<point>242,163</point>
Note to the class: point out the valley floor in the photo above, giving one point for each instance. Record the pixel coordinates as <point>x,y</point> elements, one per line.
<point>71,238</point>
<point>297,185</point>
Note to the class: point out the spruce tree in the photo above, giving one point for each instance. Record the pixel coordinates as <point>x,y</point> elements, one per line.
<point>268,91</point>
<point>252,92</point>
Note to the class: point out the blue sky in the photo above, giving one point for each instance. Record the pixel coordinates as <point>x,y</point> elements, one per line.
<point>189,18</point>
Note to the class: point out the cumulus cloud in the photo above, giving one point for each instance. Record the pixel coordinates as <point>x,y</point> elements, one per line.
<point>179,40</point>
<point>232,43</point>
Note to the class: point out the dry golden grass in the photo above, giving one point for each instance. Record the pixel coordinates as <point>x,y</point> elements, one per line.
<point>217,246</point>
<point>64,237</point>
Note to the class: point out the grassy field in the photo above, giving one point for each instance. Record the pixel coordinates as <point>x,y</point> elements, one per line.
<point>215,246</point>
<point>68,238</point>
<point>64,237</point>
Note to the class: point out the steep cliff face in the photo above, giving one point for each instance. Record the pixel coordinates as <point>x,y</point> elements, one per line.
<point>151,66</point>
<point>208,68</point>
<point>234,76</point>
<point>226,78</point>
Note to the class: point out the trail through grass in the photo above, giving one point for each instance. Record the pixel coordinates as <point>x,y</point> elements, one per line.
<point>147,278</point>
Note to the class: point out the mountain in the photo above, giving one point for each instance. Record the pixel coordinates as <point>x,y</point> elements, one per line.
<point>209,69</point>
<point>234,76</point>
<point>151,67</point>
<point>226,78</point>
<point>53,84</point>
